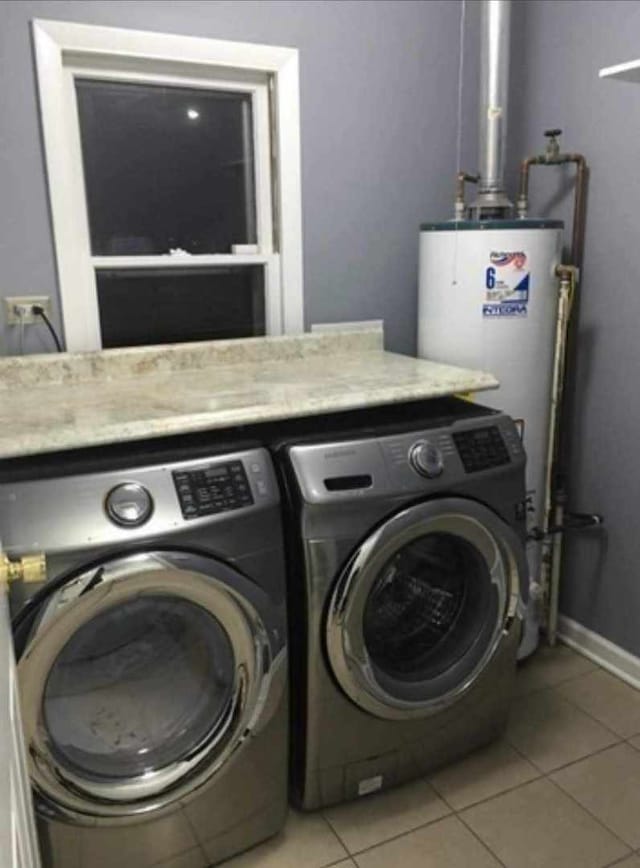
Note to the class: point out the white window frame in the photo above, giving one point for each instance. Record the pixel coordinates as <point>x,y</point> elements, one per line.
<point>65,51</point>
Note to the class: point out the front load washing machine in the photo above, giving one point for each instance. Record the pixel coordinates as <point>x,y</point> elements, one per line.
<point>407,584</point>
<point>152,664</point>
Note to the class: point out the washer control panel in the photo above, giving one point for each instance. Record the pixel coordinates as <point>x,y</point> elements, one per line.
<point>426,459</point>
<point>481,448</point>
<point>207,490</point>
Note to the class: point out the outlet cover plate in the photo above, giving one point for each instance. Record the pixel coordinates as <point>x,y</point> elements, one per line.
<point>27,300</point>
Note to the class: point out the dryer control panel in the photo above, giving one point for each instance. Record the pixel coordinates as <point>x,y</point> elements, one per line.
<point>481,448</point>
<point>210,489</point>
<point>407,462</point>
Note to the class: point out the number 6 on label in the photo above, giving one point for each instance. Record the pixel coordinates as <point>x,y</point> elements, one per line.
<point>491,278</point>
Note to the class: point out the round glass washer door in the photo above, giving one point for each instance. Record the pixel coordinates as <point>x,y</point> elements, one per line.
<point>139,684</point>
<point>137,688</point>
<point>421,607</point>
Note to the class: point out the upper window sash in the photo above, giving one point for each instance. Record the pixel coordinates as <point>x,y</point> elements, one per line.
<point>257,85</point>
<point>65,50</point>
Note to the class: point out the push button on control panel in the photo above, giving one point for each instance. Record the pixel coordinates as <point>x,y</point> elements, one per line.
<point>481,449</point>
<point>212,489</point>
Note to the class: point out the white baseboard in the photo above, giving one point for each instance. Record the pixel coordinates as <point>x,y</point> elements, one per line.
<point>611,657</point>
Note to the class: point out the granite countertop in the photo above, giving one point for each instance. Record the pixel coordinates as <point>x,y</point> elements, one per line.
<point>68,401</point>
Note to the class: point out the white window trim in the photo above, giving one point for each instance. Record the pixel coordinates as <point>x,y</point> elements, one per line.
<point>60,47</point>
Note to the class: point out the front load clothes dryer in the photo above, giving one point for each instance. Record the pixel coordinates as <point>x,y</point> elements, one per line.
<point>152,664</point>
<point>406,593</point>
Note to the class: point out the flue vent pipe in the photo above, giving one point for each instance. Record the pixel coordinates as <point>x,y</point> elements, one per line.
<point>495,29</point>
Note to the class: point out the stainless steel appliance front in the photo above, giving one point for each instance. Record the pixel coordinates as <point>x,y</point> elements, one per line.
<point>413,574</point>
<point>152,666</point>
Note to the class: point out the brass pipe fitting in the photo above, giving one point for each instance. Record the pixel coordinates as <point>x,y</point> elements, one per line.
<point>29,568</point>
<point>568,272</point>
<point>463,178</point>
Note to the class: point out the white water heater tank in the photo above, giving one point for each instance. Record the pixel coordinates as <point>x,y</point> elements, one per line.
<point>488,299</point>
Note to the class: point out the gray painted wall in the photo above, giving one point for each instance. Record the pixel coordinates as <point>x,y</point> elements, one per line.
<point>378,107</point>
<point>379,95</point>
<point>561,47</point>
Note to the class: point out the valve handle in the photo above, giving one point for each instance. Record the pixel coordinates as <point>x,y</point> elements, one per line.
<point>552,134</point>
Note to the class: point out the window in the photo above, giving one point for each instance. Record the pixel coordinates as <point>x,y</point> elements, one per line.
<point>174,178</point>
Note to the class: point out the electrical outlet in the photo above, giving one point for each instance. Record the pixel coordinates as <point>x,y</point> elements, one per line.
<point>25,302</point>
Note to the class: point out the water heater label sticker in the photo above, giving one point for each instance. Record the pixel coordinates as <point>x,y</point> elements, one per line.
<point>506,284</point>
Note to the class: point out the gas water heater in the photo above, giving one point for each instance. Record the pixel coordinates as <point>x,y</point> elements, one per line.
<point>490,296</point>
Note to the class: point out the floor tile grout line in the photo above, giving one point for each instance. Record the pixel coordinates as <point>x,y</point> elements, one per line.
<point>593,817</point>
<point>573,762</point>
<point>591,716</point>
<point>564,678</point>
<point>552,688</point>
<point>524,756</point>
<point>478,838</point>
<point>335,832</point>
<point>353,855</point>
<point>452,814</point>
<point>548,685</point>
<point>339,839</point>
<point>336,861</point>
<point>438,794</point>
<point>588,713</point>
<point>620,860</point>
<point>584,758</point>
<point>539,774</point>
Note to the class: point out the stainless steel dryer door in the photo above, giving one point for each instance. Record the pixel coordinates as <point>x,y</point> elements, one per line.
<point>421,608</point>
<point>142,677</point>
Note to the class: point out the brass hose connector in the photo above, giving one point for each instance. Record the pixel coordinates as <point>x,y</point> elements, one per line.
<point>30,568</point>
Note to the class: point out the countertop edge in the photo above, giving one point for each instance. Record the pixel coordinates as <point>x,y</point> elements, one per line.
<point>216,420</point>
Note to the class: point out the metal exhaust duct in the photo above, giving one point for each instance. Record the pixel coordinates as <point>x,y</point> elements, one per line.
<point>495,29</point>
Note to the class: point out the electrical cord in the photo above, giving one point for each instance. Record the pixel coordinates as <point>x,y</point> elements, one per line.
<point>38,310</point>
<point>21,340</point>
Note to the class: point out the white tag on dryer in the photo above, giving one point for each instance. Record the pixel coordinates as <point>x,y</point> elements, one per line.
<point>369,785</point>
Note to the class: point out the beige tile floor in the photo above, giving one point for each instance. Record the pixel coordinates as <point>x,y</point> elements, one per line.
<point>561,790</point>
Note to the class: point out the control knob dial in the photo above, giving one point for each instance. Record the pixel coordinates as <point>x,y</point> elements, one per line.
<point>426,459</point>
<point>129,504</point>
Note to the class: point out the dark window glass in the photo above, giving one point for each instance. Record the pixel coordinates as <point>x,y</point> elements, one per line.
<point>138,688</point>
<point>166,168</point>
<point>427,606</point>
<point>157,306</point>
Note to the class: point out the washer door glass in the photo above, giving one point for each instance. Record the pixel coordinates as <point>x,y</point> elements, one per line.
<point>140,686</point>
<point>421,607</point>
<point>426,608</point>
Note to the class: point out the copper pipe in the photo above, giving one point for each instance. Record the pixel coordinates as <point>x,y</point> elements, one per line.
<point>579,210</point>
<point>569,275</point>
<point>523,195</point>
<point>579,202</point>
